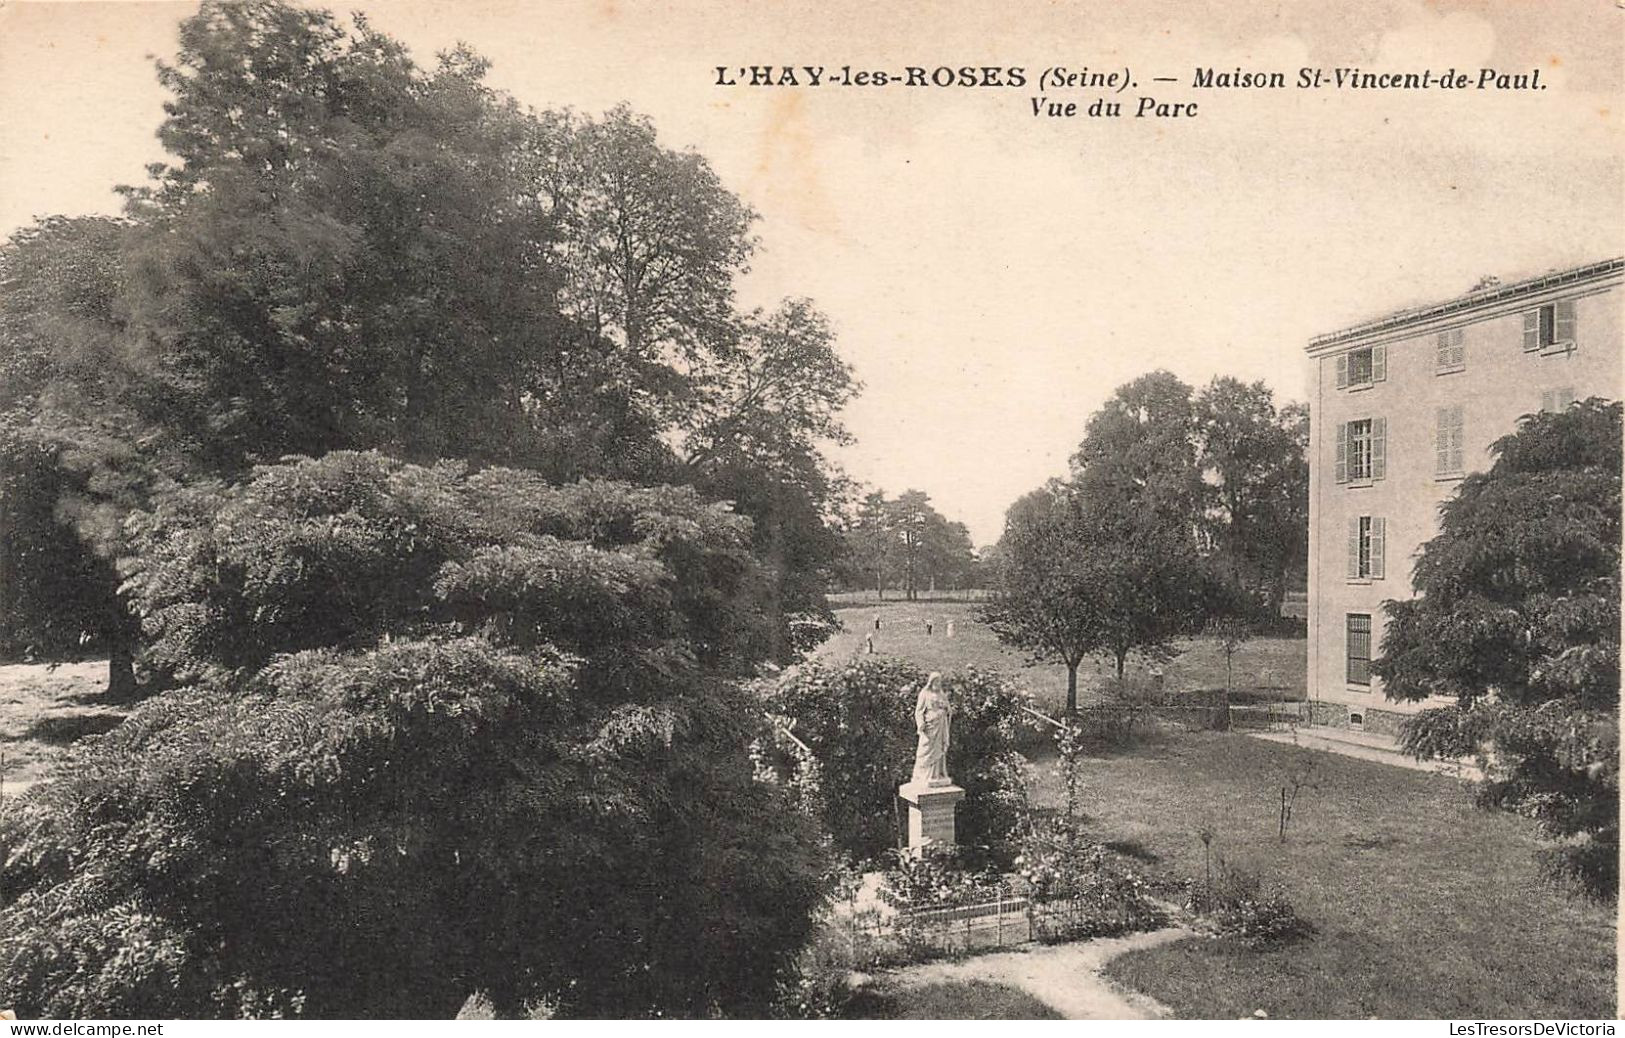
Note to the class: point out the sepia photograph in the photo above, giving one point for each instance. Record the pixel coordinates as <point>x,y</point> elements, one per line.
<point>554,510</point>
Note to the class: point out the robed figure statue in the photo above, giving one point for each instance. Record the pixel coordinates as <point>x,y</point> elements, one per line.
<point>932,717</point>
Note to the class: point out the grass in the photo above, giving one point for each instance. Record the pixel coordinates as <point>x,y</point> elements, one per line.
<point>1273,668</point>
<point>948,1000</point>
<point>1426,906</point>
<point>44,708</point>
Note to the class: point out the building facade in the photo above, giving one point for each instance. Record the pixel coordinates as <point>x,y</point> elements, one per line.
<point>1403,407</point>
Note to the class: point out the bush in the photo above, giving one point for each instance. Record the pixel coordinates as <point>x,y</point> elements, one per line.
<point>495,770</point>
<point>938,878</point>
<point>858,722</point>
<point>1240,907</point>
<point>1085,891</point>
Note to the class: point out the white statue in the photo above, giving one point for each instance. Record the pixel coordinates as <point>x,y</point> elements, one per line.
<point>932,717</point>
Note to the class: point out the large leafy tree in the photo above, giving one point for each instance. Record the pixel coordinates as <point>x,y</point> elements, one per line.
<point>1077,578</point>
<point>343,250</point>
<point>1140,449</point>
<point>1517,617</point>
<point>73,457</point>
<point>1254,455</point>
<point>436,733</point>
<point>906,541</point>
<point>650,244</point>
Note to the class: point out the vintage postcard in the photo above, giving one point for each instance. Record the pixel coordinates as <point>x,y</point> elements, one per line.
<point>616,509</point>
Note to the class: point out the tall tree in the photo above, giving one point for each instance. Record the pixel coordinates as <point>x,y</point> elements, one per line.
<point>870,546</point>
<point>73,456</point>
<point>1517,616</point>
<point>1255,456</point>
<point>1140,449</point>
<point>343,251</point>
<point>1079,577</point>
<point>650,244</point>
<point>1043,588</point>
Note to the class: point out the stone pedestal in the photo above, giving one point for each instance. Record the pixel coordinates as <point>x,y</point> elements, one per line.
<point>930,814</point>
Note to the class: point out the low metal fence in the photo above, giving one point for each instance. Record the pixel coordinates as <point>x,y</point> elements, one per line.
<point>1269,716</point>
<point>1005,921</point>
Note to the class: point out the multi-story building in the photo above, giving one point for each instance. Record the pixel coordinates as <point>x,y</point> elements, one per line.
<point>1402,407</point>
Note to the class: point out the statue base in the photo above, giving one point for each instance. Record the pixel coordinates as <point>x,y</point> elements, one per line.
<point>930,814</point>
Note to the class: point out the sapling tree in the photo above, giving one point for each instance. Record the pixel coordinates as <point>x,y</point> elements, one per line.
<point>1229,633</point>
<point>1302,772</point>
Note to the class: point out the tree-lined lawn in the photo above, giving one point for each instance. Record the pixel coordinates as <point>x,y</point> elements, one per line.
<point>1266,667</point>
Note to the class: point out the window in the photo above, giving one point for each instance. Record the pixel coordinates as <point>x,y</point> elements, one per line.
<point>1451,352</point>
<point>1367,542</point>
<point>1362,450</point>
<point>1557,399</point>
<point>1549,326</point>
<point>1356,719</point>
<point>1359,368</point>
<point>1359,642</point>
<point>1447,441</point>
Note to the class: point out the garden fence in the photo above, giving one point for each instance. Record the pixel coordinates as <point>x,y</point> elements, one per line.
<point>1005,921</point>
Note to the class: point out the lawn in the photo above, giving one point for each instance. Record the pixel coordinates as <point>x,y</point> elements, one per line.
<point>1426,906</point>
<point>1265,667</point>
<point>948,1000</point>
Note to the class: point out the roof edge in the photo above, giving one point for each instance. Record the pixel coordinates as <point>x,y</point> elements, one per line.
<point>1470,301</point>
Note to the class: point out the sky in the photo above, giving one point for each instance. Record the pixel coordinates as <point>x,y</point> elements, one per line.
<point>993,276</point>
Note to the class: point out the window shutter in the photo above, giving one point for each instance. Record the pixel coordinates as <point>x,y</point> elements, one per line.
<point>1531,330</point>
<point>1342,452</point>
<point>1354,548</point>
<point>1452,349</point>
<point>1379,541</point>
<point>1457,428</point>
<point>1441,443</point>
<point>1548,400</point>
<point>1563,321</point>
<point>1564,397</point>
<point>1379,363</point>
<point>1342,371</point>
<point>1379,448</point>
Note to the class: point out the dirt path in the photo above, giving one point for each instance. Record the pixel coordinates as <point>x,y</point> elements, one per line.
<point>1065,977</point>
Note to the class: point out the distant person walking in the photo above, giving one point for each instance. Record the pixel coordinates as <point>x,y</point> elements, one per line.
<point>869,644</point>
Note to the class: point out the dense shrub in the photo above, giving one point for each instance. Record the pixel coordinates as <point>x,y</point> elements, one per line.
<point>440,734</point>
<point>1092,891</point>
<point>1239,906</point>
<point>938,878</point>
<point>858,722</point>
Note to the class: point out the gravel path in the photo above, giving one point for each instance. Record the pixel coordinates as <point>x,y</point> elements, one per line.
<point>1065,977</point>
